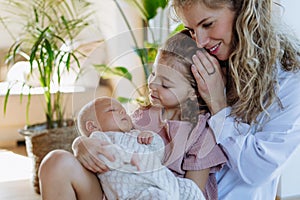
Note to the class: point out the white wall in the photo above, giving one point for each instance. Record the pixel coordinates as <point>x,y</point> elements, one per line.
<point>291,14</point>
<point>290,180</point>
<point>119,52</point>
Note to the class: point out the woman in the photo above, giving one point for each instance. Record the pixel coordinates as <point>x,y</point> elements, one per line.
<point>257,120</point>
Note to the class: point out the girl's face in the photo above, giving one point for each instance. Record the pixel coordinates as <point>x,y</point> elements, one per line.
<point>168,87</point>
<point>211,28</point>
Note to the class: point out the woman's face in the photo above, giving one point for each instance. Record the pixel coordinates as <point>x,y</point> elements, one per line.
<point>211,28</point>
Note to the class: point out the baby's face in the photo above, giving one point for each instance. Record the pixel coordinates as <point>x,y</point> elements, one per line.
<point>112,116</point>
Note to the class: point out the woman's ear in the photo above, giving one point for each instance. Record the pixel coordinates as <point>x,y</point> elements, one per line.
<point>90,126</point>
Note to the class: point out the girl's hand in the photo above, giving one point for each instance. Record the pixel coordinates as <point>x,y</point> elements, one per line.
<point>145,137</point>
<point>210,81</point>
<point>86,150</point>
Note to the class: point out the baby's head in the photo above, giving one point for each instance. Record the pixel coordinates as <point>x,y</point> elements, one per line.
<point>103,114</point>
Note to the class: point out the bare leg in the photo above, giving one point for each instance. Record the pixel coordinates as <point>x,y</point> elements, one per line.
<point>62,177</point>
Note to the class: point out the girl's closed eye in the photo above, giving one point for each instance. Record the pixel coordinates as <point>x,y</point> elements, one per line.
<point>166,83</point>
<point>165,86</point>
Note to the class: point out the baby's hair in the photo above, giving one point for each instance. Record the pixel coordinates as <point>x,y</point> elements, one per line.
<point>87,113</point>
<point>182,47</point>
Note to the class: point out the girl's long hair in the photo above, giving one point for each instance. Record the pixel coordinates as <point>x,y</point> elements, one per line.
<point>180,48</point>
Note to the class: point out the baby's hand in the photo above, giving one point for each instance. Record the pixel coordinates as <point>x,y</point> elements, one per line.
<point>145,137</point>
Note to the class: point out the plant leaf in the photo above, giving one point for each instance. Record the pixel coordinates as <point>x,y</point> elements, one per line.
<point>27,107</point>
<point>148,8</point>
<point>124,100</point>
<point>46,26</point>
<point>6,100</point>
<point>108,72</point>
<point>151,7</point>
<point>178,28</point>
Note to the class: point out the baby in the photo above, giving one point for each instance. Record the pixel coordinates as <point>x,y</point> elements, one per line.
<point>137,172</point>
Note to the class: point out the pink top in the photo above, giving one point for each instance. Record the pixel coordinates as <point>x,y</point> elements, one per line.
<point>198,148</point>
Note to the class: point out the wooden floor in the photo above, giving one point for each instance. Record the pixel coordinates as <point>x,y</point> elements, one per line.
<point>15,175</point>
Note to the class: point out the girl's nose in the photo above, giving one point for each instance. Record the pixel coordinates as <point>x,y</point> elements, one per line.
<point>152,86</point>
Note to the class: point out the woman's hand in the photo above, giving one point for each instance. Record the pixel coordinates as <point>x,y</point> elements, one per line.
<point>210,80</point>
<point>86,150</point>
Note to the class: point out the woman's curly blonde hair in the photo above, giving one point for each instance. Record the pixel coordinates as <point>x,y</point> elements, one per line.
<point>260,42</point>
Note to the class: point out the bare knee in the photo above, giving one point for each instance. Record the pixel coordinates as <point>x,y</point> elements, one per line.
<point>55,162</point>
<point>62,174</point>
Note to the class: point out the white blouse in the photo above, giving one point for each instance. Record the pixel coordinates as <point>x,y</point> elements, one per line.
<point>257,154</point>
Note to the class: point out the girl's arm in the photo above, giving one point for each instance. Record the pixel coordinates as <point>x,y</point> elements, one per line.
<point>200,177</point>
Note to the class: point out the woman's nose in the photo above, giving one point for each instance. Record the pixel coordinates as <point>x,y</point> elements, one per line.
<point>202,38</point>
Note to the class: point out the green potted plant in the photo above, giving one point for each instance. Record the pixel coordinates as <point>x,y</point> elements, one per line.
<point>49,29</point>
<point>148,10</point>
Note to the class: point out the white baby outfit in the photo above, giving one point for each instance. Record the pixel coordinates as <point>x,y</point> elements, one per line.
<point>152,181</point>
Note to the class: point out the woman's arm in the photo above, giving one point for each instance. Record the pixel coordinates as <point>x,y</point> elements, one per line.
<point>200,177</point>
<point>268,145</point>
<point>265,147</point>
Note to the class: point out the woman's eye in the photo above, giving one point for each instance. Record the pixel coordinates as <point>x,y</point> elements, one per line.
<point>165,86</point>
<point>207,25</point>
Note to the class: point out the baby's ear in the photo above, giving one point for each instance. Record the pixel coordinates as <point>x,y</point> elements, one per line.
<point>90,126</point>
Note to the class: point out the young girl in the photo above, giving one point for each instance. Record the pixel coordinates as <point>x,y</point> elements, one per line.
<point>176,114</point>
